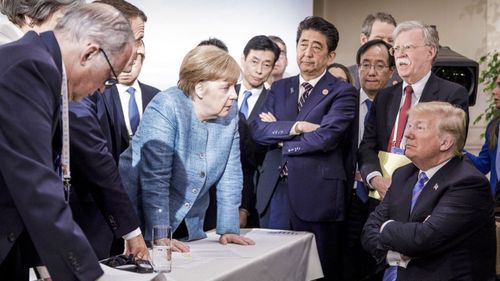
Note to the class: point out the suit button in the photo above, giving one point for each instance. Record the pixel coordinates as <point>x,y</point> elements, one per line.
<point>195,190</point>
<point>202,174</point>
<point>11,237</point>
<point>202,155</point>
<point>186,205</point>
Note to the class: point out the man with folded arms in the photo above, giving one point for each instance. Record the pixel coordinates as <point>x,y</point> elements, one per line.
<point>436,221</point>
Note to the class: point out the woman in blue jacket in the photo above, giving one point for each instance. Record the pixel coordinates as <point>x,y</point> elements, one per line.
<point>188,141</point>
<point>486,160</point>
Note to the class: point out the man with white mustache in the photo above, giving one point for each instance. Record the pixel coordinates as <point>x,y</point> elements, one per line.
<point>415,49</point>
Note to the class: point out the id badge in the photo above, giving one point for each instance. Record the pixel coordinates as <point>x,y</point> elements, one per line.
<point>397,150</point>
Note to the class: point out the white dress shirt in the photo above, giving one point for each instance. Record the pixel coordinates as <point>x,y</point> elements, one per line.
<point>252,100</point>
<point>125,98</point>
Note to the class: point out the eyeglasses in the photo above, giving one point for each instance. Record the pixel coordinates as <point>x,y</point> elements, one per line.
<point>405,48</point>
<point>110,81</point>
<point>378,67</point>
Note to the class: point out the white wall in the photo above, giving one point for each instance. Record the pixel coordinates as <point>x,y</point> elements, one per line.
<point>175,27</point>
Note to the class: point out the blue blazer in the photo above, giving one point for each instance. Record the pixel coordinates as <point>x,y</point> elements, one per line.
<point>320,165</point>
<point>173,161</point>
<point>486,160</point>
<point>31,191</point>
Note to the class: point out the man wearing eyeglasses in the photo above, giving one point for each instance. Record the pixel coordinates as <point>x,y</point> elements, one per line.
<point>36,73</point>
<point>379,26</point>
<point>376,67</point>
<point>415,48</point>
<point>98,201</point>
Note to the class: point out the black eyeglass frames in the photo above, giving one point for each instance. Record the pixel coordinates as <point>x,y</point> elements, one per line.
<point>110,81</point>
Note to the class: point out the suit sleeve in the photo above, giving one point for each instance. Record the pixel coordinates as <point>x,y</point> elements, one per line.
<point>157,138</point>
<point>482,161</point>
<point>368,149</point>
<point>30,107</point>
<point>94,168</point>
<point>268,133</point>
<point>370,237</point>
<point>461,211</point>
<point>332,128</point>
<point>229,188</point>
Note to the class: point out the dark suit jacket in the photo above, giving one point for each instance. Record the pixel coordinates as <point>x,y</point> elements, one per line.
<point>31,191</point>
<point>319,171</point>
<point>99,203</point>
<point>450,235</point>
<point>110,114</point>
<point>385,109</point>
<point>252,153</point>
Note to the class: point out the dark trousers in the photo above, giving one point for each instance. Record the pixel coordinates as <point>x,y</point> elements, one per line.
<point>21,257</point>
<point>327,236</point>
<point>358,264</point>
<point>277,214</point>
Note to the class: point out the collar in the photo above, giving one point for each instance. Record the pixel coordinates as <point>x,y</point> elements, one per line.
<point>122,88</point>
<point>314,81</point>
<point>434,169</point>
<point>418,87</point>
<point>363,96</point>
<point>255,91</point>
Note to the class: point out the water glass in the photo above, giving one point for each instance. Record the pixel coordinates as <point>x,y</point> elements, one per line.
<point>162,248</point>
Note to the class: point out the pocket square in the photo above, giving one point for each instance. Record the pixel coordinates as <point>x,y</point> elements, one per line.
<point>436,186</point>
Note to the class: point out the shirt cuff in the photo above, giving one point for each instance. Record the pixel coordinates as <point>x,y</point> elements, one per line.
<point>132,234</point>
<point>384,224</point>
<point>371,176</point>
<point>293,131</point>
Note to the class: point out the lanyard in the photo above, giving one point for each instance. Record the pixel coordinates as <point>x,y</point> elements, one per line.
<point>65,128</point>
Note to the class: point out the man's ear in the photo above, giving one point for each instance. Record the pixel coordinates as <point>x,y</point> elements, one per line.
<point>446,142</point>
<point>90,52</point>
<point>363,38</point>
<point>331,57</point>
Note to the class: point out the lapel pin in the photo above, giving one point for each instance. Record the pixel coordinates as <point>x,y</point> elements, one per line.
<point>324,92</point>
<point>436,186</point>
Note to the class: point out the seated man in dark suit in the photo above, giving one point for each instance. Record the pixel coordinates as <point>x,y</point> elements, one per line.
<point>436,221</point>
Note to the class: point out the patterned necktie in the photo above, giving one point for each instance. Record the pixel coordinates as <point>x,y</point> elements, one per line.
<point>133,111</point>
<point>244,104</point>
<point>402,119</point>
<point>308,88</point>
<point>422,179</point>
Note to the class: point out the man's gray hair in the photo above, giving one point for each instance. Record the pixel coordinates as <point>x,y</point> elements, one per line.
<point>430,34</point>
<point>38,10</point>
<point>99,23</point>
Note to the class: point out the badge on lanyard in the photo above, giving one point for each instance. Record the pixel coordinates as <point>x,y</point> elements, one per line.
<point>397,150</point>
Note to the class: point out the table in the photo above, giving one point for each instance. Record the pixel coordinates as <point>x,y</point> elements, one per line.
<point>277,255</point>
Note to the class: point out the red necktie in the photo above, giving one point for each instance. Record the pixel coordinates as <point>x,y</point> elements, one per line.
<point>402,119</point>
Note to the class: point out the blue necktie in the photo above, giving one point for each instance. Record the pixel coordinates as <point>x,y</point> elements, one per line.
<point>497,157</point>
<point>133,111</point>
<point>422,178</point>
<point>244,104</point>
<point>361,191</point>
<point>390,274</point>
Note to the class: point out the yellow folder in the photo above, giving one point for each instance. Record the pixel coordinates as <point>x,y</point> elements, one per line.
<point>389,162</point>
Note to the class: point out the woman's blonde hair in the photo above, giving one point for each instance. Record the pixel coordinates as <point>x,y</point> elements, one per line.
<point>206,63</point>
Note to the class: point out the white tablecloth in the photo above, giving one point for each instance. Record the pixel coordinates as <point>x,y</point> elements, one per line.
<point>277,255</point>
